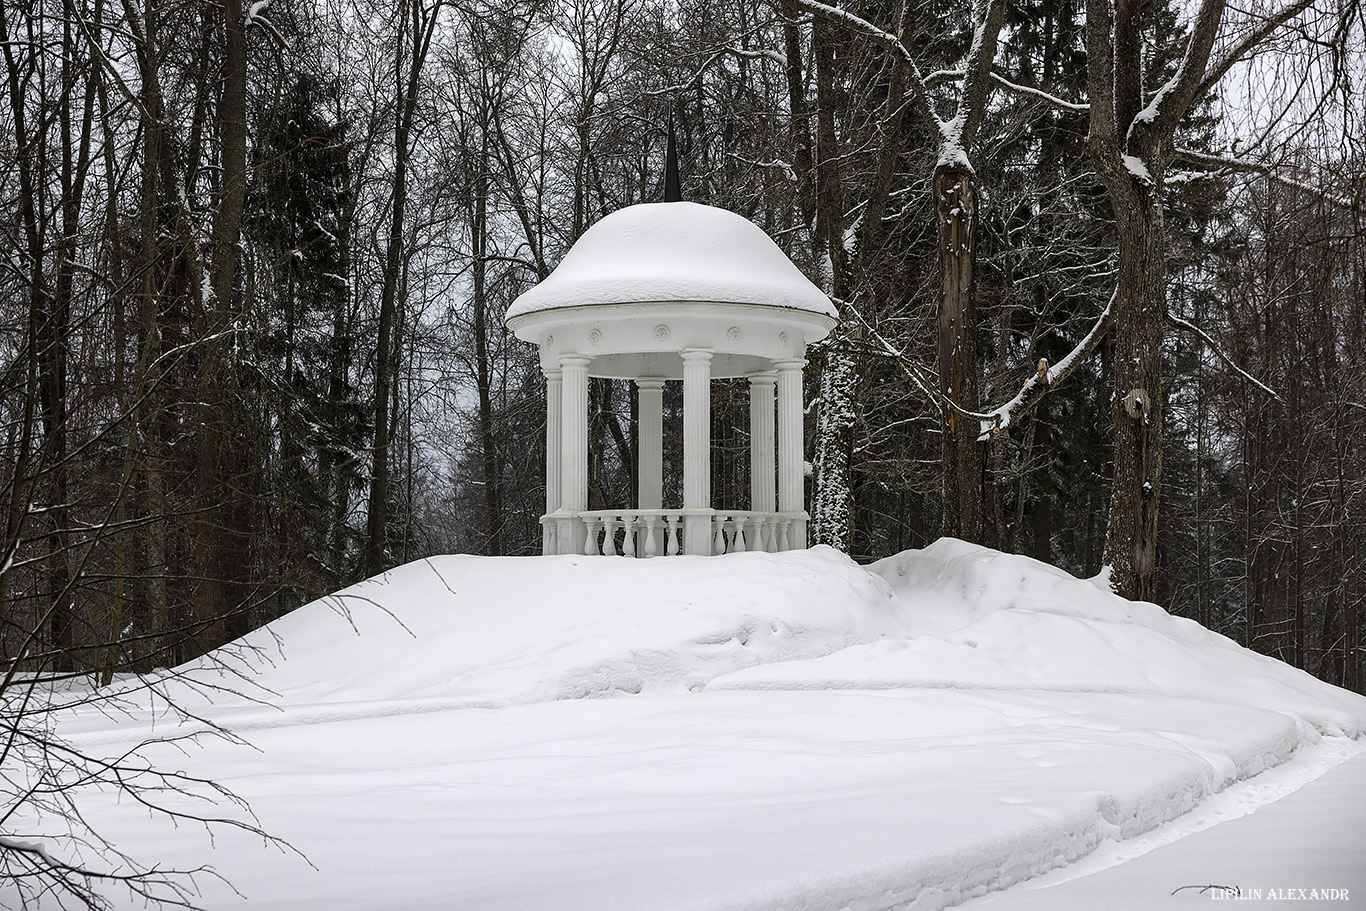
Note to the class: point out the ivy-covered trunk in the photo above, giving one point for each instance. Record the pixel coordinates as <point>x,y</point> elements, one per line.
<point>832,515</point>
<point>832,518</point>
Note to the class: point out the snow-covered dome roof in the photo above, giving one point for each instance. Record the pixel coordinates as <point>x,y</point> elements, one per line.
<point>674,251</point>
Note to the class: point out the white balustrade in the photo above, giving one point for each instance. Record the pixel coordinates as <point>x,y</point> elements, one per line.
<point>655,532</point>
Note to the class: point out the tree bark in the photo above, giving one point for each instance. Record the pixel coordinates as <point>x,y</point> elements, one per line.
<point>955,209</point>
<point>799,127</point>
<point>483,377</point>
<point>221,532</point>
<point>832,512</point>
<point>1131,534</point>
<point>145,438</point>
<point>1130,154</point>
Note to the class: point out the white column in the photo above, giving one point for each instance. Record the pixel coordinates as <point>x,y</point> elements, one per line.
<point>649,460</point>
<point>650,433</point>
<point>573,452</point>
<point>790,475</point>
<point>761,457</point>
<point>697,451</point>
<point>552,459</point>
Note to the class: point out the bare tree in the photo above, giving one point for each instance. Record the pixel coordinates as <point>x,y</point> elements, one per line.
<point>419,24</point>
<point>1132,142</point>
<point>954,188</point>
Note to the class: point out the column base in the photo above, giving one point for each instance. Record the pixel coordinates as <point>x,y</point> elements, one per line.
<point>549,533</point>
<point>569,533</point>
<point>697,532</point>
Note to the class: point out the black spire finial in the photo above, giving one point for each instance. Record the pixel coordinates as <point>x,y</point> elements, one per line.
<point>673,190</point>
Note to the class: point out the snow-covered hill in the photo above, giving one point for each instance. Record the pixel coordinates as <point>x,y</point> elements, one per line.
<point>754,731</point>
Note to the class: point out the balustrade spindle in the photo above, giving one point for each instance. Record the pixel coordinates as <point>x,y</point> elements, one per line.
<point>660,532</point>
<point>609,545</point>
<point>671,543</point>
<point>590,538</point>
<point>651,549</point>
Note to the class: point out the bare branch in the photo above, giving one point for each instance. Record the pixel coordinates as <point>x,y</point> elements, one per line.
<point>1271,172</point>
<point>1217,68</point>
<point>892,42</point>
<point>1046,378</point>
<point>1213,346</point>
<point>919,375</point>
<point>1052,101</point>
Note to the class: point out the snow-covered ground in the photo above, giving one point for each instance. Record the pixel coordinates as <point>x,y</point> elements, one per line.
<point>754,731</point>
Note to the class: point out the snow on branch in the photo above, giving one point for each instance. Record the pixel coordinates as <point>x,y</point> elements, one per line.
<point>1228,163</point>
<point>940,77</point>
<point>972,100</point>
<point>1174,99</point>
<point>859,24</point>
<point>776,164</point>
<point>1213,346</point>
<point>763,53</point>
<point>1052,101</point>
<point>1046,377</point>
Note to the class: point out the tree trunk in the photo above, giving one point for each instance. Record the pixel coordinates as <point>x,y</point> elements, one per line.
<point>799,128</point>
<point>955,209</point>
<point>145,422</point>
<point>832,513</point>
<point>421,24</point>
<point>337,469</point>
<point>1131,535</point>
<point>1042,515</point>
<point>493,509</point>
<point>221,535</point>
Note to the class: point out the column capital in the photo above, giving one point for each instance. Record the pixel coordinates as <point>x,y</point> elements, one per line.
<point>551,373</point>
<point>697,354</point>
<point>762,378</point>
<point>649,382</point>
<point>574,360</point>
<point>794,363</point>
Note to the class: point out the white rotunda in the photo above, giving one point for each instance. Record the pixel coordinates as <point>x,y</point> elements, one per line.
<point>660,292</point>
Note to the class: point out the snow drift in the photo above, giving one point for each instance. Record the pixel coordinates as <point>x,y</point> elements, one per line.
<point>760,731</point>
<point>984,619</point>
